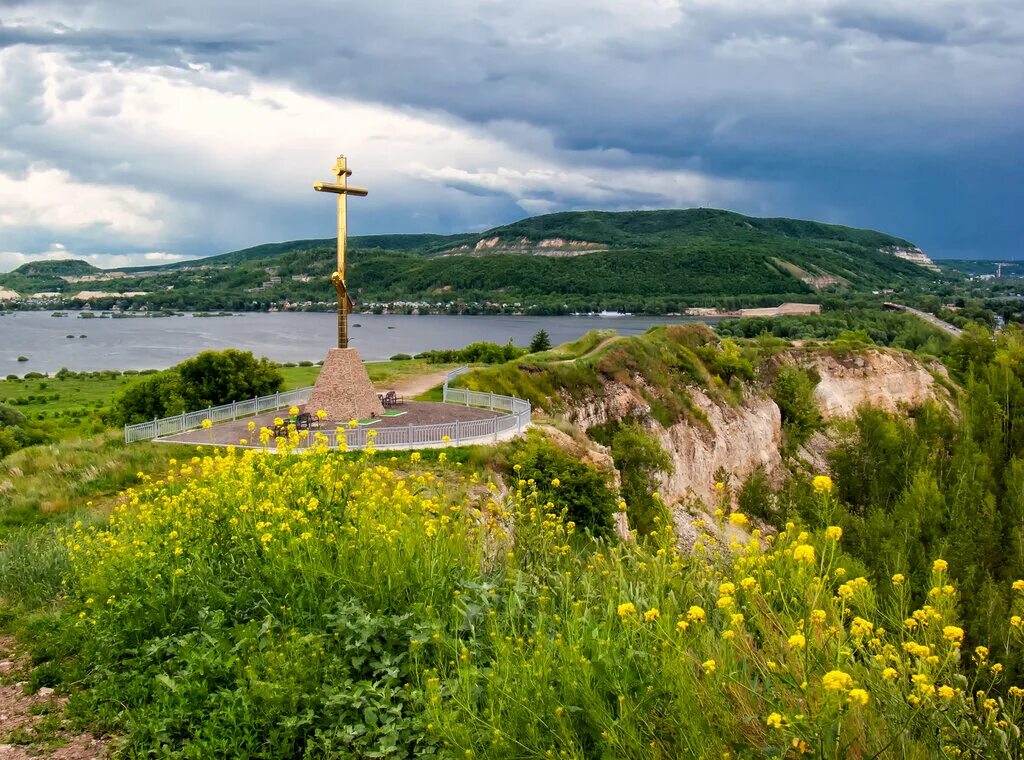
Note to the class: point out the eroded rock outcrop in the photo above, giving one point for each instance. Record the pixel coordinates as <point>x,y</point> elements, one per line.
<point>740,438</point>
<point>878,378</point>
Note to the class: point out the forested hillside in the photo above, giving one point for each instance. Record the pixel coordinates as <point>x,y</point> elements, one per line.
<point>640,261</point>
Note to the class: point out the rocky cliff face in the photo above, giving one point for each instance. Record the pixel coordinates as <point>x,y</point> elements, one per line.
<point>878,378</point>
<point>738,439</point>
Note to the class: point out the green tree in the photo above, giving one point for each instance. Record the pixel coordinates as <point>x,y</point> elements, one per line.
<point>541,341</point>
<point>220,377</point>
<point>158,395</point>
<point>640,458</point>
<point>793,391</point>
<point>209,379</point>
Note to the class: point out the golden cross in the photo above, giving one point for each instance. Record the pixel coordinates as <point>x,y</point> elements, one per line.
<point>343,190</point>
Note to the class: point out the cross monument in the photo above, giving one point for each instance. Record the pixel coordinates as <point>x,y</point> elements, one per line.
<point>343,190</point>
<point>343,388</point>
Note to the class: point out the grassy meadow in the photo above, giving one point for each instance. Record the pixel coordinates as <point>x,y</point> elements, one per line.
<point>254,605</point>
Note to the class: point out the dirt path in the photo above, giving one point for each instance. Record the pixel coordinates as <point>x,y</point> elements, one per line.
<point>32,725</point>
<point>414,386</point>
<point>594,350</point>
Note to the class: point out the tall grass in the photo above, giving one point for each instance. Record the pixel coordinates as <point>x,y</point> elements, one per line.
<point>42,481</point>
<point>254,605</point>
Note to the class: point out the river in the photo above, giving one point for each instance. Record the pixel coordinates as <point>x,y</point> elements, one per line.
<point>156,343</point>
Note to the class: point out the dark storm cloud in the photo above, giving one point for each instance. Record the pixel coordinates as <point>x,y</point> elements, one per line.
<point>842,106</point>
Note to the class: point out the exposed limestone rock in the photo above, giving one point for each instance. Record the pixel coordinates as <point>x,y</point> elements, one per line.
<point>740,440</point>
<point>879,378</point>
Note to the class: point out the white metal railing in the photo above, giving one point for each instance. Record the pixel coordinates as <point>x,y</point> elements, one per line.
<point>186,421</point>
<point>517,418</point>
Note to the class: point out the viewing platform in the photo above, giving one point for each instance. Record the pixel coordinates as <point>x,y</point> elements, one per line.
<point>463,417</point>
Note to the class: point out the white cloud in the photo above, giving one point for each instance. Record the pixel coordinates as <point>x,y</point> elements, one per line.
<point>161,155</point>
<point>457,118</point>
<point>50,199</point>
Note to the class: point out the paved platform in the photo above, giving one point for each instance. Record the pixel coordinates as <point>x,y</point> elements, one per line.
<point>416,413</point>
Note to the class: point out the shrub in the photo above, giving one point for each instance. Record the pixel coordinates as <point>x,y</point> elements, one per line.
<point>401,358</point>
<point>793,391</point>
<point>22,358</point>
<point>639,459</point>
<point>580,489</point>
<point>219,377</point>
<point>481,352</point>
<point>160,395</point>
<point>757,498</point>
<point>727,360</point>
<point>209,379</point>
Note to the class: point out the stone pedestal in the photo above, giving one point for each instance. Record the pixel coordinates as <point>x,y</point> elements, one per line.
<point>343,389</point>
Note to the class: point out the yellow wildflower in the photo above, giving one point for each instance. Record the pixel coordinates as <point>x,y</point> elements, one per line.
<point>834,532</point>
<point>738,519</point>
<point>861,627</point>
<point>837,680</point>
<point>207,424</point>
<point>954,634</point>
<point>947,692</point>
<point>774,720</point>
<point>797,641</point>
<point>652,614</point>
<point>804,553</point>
<point>890,674</point>
<point>822,484</point>
<point>857,697</point>
<point>696,614</point>
<point>940,566</point>
<point>709,666</point>
<point>897,580</point>
<point>627,608</point>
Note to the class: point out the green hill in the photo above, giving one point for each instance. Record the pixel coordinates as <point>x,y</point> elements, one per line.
<point>650,261</point>
<point>39,276</point>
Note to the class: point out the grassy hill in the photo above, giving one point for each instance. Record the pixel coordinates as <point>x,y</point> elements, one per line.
<point>650,261</point>
<point>39,276</point>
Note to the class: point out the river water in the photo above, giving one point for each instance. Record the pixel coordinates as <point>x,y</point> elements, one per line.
<point>156,343</point>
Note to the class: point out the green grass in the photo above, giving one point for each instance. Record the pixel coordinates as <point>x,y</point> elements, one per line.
<point>67,407</point>
<point>41,482</point>
<point>660,365</point>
